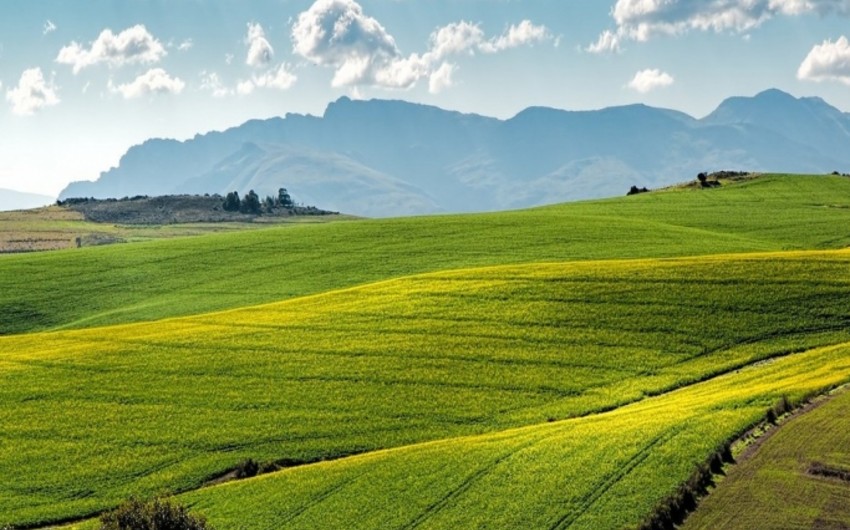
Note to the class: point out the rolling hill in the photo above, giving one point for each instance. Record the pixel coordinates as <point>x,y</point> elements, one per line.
<point>558,367</point>
<point>383,158</point>
<point>154,280</point>
<point>135,409</point>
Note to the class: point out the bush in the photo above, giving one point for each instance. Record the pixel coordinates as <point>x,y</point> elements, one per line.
<point>158,514</point>
<point>634,190</point>
<point>247,468</point>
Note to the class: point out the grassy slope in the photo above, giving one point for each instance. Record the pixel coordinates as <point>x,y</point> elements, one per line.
<point>92,416</point>
<point>603,471</point>
<point>773,490</point>
<point>148,281</point>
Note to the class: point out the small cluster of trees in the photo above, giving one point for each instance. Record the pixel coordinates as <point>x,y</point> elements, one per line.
<point>252,204</point>
<point>634,190</point>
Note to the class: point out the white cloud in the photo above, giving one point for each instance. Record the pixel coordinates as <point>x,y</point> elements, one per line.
<point>186,45</point>
<point>647,80</point>
<point>521,34</point>
<point>279,78</point>
<point>608,41</point>
<point>133,45</point>
<point>243,88</point>
<point>154,81</point>
<point>455,38</point>
<point>32,93</point>
<point>829,61</point>
<point>228,58</point>
<point>641,20</point>
<point>260,52</point>
<point>441,79</point>
<point>339,35</point>
<point>49,27</point>
<point>212,82</point>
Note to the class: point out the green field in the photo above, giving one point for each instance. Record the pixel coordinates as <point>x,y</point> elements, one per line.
<point>128,283</point>
<point>564,387</point>
<point>790,482</point>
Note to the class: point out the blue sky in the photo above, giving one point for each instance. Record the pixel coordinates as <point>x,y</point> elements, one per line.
<point>83,81</point>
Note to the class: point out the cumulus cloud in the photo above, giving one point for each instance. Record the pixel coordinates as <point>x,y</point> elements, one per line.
<point>186,45</point>
<point>640,20</point>
<point>521,34</point>
<point>441,79</point>
<point>260,52</point>
<point>132,46</point>
<point>279,78</point>
<point>650,79</point>
<point>32,93</point>
<point>339,35</point>
<point>829,61</point>
<point>154,81</point>
<point>48,27</point>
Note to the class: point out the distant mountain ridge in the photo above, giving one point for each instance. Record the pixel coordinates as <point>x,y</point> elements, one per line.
<point>18,200</point>
<point>387,157</point>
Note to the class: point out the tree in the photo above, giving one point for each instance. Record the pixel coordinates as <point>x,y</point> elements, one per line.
<point>231,202</point>
<point>251,203</point>
<point>158,514</point>
<point>702,177</point>
<point>269,203</point>
<point>284,199</point>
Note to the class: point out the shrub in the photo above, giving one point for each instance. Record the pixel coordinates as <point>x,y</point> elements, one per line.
<point>634,190</point>
<point>158,514</point>
<point>247,468</point>
<point>770,416</point>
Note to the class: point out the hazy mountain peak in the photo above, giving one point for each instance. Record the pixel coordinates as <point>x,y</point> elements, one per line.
<point>384,157</point>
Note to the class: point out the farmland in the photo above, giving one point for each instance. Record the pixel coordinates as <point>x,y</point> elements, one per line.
<point>131,283</point>
<point>797,479</point>
<point>559,367</point>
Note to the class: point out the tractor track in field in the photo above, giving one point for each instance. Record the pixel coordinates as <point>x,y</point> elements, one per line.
<point>608,481</point>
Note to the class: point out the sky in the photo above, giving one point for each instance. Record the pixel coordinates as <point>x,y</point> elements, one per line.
<point>81,82</point>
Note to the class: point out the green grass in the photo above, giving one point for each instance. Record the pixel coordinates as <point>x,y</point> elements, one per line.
<point>775,488</point>
<point>602,471</point>
<point>148,281</point>
<point>92,416</point>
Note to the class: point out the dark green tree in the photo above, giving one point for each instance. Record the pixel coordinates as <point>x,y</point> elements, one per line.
<point>231,202</point>
<point>251,203</point>
<point>284,199</point>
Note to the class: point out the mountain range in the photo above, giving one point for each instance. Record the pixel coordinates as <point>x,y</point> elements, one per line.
<point>385,157</point>
<point>18,200</point>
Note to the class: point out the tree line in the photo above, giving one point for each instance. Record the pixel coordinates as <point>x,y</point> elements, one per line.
<point>252,204</point>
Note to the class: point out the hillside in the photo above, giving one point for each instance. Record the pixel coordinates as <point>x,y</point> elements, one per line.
<point>381,158</point>
<point>168,209</point>
<point>566,366</point>
<point>171,278</point>
<point>432,357</point>
<point>805,455</point>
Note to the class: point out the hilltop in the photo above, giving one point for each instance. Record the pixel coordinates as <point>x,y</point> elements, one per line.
<point>167,209</point>
<point>382,158</point>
